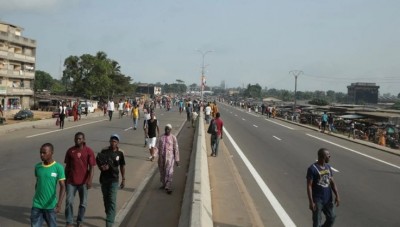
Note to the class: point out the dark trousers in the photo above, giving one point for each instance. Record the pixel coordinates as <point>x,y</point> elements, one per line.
<point>109,191</point>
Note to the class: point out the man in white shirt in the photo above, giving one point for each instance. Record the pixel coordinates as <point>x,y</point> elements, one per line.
<point>110,108</point>
<point>207,111</point>
<point>120,108</point>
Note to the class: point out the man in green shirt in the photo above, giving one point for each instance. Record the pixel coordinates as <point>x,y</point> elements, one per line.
<point>45,204</point>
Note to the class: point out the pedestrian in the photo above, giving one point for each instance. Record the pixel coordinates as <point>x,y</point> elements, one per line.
<point>324,121</point>
<point>194,118</point>
<point>75,111</point>
<point>48,173</point>
<point>62,112</point>
<point>189,109</point>
<point>1,110</point>
<point>79,162</point>
<point>146,117</point>
<point>152,130</point>
<point>330,123</point>
<point>121,108</point>
<point>105,109</point>
<point>135,115</point>
<point>207,112</point>
<point>168,155</point>
<point>320,185</point>
<point>352,129</point>
<point>110,108</point>
<point>215,137</point>
<point>214,109</point>
<point>109,160</point>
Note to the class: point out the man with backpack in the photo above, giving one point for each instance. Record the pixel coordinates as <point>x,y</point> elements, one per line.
<point>216,130</point>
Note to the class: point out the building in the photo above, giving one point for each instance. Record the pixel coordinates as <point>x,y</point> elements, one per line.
<point>363,93</point>
<point>148,89</point>
<point>17,67</point>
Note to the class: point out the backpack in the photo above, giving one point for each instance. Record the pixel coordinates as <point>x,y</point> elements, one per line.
<point>212,128</point>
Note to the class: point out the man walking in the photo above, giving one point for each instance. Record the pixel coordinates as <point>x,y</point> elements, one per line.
<point>45,204</point>
<point>152,130</point>
<point>215,137</point>
<point>135,115</point>
<point>320,185</point>
<point>110,108</point>
<point>79,162</point>
<point>62,112</point>
<point>108,161</point>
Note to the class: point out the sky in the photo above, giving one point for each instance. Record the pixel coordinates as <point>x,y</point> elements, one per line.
<point>332,43</point>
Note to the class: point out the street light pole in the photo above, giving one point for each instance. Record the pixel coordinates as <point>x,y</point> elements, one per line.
<point>295,73</point>
<point>203,72</point>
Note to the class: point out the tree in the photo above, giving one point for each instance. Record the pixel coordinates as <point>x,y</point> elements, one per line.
<point>253,91</point>
<point>43,81</point>
<point>318,102</point>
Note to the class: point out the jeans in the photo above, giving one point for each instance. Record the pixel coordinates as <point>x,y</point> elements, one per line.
<point>328,210</point>
<point>214,144</point>
<point>109,191</point>
<point>110,113</point>
<point>38,216</point>
<point>208,117</point>
<point>69,203</point>
<point>135,121</point>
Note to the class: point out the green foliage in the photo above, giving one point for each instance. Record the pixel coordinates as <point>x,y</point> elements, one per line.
<point>97,75</point>
<point>396,106</point>
<point>318,102</point>
<point>43,81</point>
<point>252,91</point>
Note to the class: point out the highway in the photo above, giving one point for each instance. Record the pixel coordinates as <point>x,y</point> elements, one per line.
<point>368,179</point>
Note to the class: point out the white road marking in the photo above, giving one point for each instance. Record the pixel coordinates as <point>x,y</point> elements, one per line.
<point>334,169</point>
<point>128,129</point>
<point>286,220</point>
<point>243,119</point>
<point>235,115</point>
<point>357,152</point>
<point>255,126</point>
<point>331,167</point>
<point>44,133</point>
<point>276,138</point>
<point>279,124</point>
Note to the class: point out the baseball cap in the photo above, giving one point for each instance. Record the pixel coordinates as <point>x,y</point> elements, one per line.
<point>114,136</point>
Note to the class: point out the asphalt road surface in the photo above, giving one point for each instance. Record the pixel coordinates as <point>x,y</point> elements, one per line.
<point>368,179</point>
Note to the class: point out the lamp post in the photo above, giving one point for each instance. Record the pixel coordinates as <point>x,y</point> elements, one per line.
<point>203,53</point>
<point>295,73</point>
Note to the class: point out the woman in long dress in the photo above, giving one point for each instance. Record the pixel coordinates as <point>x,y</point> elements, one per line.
<point>168,156</point>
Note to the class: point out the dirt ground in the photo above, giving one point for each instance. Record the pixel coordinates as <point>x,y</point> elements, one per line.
<point>37,115</point>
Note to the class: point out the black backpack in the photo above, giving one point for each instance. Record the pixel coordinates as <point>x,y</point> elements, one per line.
<point>212,128</point>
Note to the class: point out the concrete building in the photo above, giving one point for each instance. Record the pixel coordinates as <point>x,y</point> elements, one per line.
<point>17,67</point>
<point>363,93</point>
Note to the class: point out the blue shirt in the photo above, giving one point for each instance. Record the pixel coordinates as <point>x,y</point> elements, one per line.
<point>321,182</point>
<point>325,117</point>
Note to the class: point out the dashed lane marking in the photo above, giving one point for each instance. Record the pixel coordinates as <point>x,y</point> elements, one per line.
<point>279,124</point>
<point>277,138</point>
<point>255,126</point>
<point>44,133</point>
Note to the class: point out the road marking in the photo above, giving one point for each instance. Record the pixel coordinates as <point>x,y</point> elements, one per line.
<point>286,220</point>
<point>44,133</point>
<point>279,124</point>
<point>128,129</point>
<point>255,126</point>
<point>357,152</point>
<point>331,167</point>
<point>243,119</point>
<point>276,138</point>
<point>235,115</point>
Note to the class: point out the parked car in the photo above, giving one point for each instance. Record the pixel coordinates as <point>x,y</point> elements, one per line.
<point>90,107</point>
<point>23,114</point>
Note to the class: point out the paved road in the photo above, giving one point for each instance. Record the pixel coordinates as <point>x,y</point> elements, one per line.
<point>19,153</point>
<point>280,153</point>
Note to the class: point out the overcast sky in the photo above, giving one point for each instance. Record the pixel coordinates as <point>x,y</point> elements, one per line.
<point>333,42</point>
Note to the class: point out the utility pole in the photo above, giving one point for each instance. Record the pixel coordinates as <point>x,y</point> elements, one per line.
<point>295,73</point>
<point>203,78</point>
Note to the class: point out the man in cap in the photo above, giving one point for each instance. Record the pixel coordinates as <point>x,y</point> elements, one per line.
<point>168,155</point>
<point>108,161</point>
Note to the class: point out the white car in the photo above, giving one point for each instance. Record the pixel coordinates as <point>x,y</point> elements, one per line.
<point>90,107</point>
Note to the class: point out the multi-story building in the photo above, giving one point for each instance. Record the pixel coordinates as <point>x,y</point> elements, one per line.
<point>17,67</point>
<point>363,93</point>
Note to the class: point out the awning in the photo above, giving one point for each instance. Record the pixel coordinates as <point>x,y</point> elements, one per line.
<point>351,116</point>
